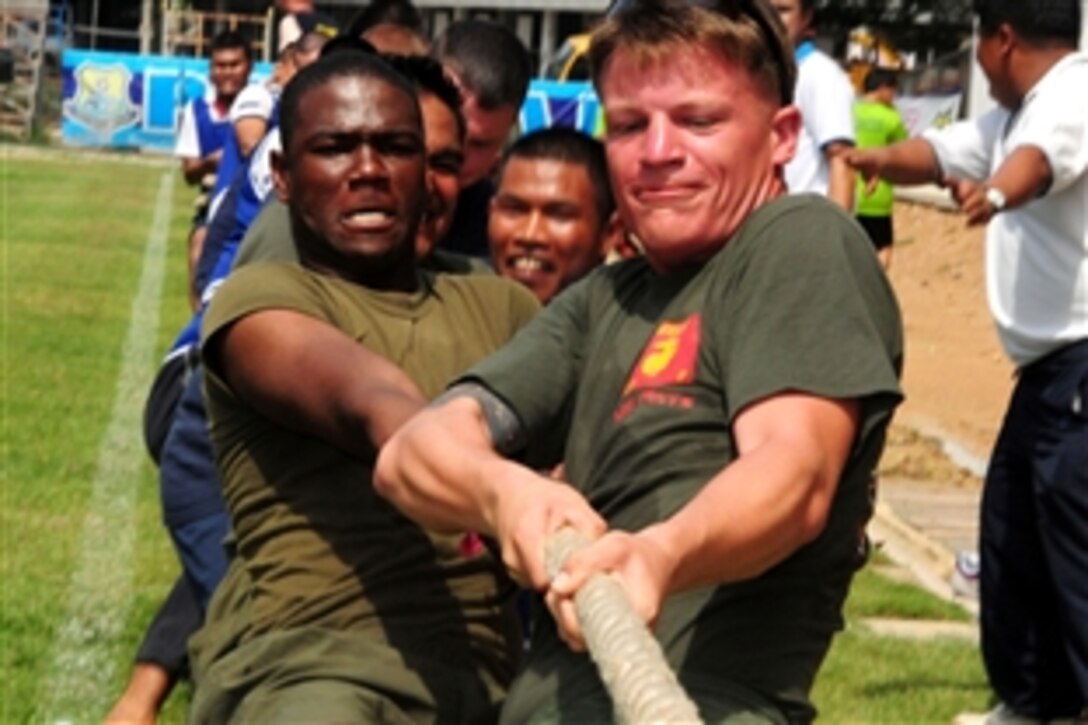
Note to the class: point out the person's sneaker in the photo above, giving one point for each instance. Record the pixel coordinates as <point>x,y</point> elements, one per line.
<point>1000,715</point>
<point>1005,715</point>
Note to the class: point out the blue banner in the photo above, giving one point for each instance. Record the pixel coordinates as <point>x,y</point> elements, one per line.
<point>572,104</point>
<point>123,100</point>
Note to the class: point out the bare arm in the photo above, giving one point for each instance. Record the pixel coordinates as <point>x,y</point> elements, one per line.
<point>907,162</point>
<point>840,183</point>
<point>196,169</point>
<point>772,500</point>
<point>309,376</point>
<point>1022,176</point>
<point>249,131</point>
<point>442,470</point>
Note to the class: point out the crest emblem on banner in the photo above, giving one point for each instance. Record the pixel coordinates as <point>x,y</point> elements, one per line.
<point>101,101</point>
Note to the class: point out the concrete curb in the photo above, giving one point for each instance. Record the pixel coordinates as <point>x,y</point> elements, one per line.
<point>931,562</point>
<point>922,629</point>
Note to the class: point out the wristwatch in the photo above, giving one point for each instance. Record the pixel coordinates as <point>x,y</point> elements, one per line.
<point>996,198</point>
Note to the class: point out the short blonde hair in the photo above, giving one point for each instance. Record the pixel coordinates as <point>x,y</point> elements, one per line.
<point>746,32</point>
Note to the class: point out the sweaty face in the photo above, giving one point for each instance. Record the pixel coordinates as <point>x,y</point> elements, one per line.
<point>794,18</point>
<point>229,71</point>
<point>693,148</point>
<point>544,228</point>
<point>444,159</point>
<point>354,179</point>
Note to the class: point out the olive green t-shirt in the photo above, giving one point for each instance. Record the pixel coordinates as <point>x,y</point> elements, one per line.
<point>657,368</point>
<point>321,548</point>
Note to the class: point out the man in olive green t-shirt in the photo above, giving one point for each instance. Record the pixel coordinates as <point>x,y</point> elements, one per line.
<point>723,400</point>
<point>337,606</point>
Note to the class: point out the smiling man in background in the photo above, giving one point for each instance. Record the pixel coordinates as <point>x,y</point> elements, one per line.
<point>553,217</point>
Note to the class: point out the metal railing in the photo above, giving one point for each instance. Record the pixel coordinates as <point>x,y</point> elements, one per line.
<point>190,32</point>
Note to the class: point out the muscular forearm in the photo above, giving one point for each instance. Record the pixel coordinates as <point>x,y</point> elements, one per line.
<point>310,377</point>
<point>744,522</point>
<point>763,507</point>
<point>441,470</point>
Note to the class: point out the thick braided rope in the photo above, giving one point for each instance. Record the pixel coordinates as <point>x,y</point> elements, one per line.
<point>629,659</point>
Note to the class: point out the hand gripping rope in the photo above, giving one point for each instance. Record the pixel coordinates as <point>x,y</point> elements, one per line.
<point>629,659</point>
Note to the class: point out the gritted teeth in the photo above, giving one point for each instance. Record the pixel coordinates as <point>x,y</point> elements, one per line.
<point>527,264</point>
<point>373,215</point>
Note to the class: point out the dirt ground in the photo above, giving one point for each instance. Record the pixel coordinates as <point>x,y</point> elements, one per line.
<point>956,377</point>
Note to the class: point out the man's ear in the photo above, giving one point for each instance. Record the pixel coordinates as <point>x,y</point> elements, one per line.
<point>280,176</point>
<point>612,237</point>
<point>1006,38</point>
<point>785,130</point>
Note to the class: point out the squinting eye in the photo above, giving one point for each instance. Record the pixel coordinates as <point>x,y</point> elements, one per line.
<point>445,164</point>
<point>330,149</point>
<point>563,214</point>
<point>509,208</point>
<point>622,128</point>
<point>445,169</point>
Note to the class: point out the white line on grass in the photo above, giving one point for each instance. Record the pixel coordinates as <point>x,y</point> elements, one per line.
<point>78,688</point>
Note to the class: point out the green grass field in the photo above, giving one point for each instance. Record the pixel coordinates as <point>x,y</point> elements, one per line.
<point>77,357</point>
<point>92,285</point>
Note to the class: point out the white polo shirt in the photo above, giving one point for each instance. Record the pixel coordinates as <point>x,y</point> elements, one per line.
<point>1037,253</point>
<point>257,100</point>
<point>826,100</point>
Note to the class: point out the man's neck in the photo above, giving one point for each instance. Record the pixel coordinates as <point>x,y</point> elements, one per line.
<point>223,104</point>
<point>403,279</point>
<point>1035,63</point>
<point>393,276</point>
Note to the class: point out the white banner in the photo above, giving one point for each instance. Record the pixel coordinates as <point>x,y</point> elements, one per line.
<point>922,112</point>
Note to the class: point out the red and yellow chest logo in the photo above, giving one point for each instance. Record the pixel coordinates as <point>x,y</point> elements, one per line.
<point>669,358</point>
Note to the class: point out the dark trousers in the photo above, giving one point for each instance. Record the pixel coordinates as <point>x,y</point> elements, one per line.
<point>198,523</point>
<point>166,639</point>
<point>1034,542</point>
<point>204,561</point>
